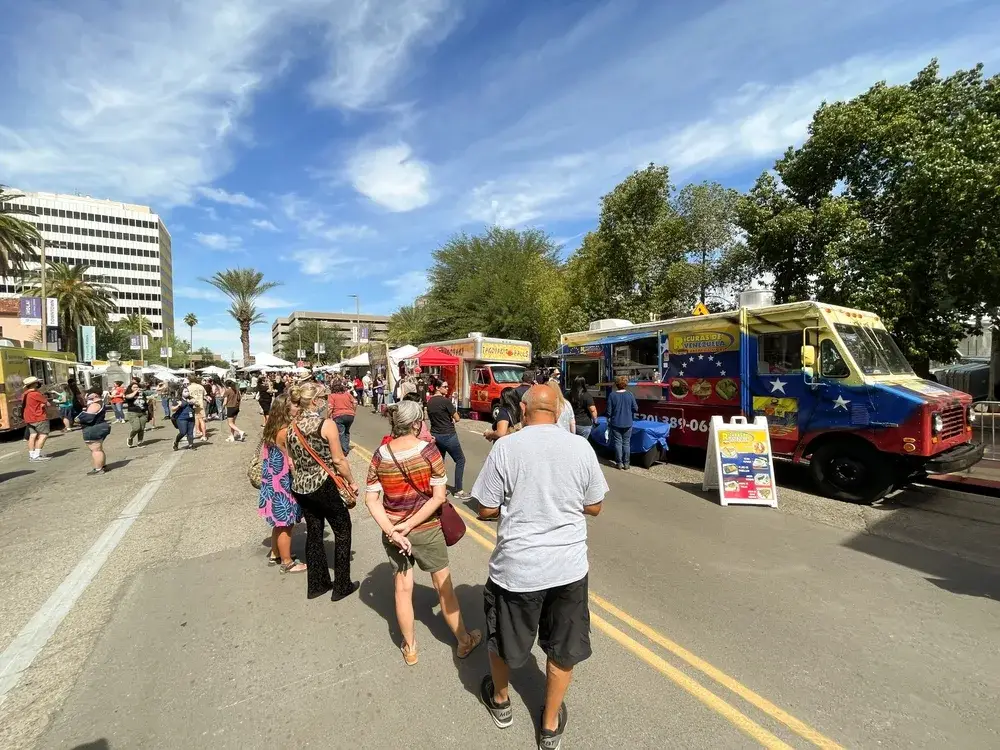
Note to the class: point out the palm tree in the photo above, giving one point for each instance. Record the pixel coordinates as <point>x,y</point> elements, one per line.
<point>407,325</point>
<point>138,324</point>
<point>82,300</point>
<point>18,237</point>
<point>191,320</point>
<point>243,286</point>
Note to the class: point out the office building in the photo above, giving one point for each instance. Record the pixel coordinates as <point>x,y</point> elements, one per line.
<point>126,246</point>
<point>348,323</point>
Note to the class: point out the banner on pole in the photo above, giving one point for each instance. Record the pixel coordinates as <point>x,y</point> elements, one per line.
<point>87,336</point>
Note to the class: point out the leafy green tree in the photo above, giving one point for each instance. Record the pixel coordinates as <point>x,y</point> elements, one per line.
<point>408,325</point>
<point>82,300</point>
<point>505,283</point>
<point>191,320</point>
<point>710,235</point>
<point>243,286</point>
<point>18,236</point>
<point>114,338</point>
<point>307,333</point>
<point>892,204</point>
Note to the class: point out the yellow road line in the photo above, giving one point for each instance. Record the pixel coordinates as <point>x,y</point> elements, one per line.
<point>741,721</point>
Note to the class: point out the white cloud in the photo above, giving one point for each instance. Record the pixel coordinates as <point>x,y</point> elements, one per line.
<point>373,44</point>
<point>267,302</point>
<point>193,292</point>
<point>321,262</point>
<point>233,199</point>
<point>406,287</point>
<point>220,242</point>
<point>265,225</point>
<point>391,177</point>
<point>313,222</point>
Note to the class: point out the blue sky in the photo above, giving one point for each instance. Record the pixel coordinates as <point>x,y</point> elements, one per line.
<point>333,144</point>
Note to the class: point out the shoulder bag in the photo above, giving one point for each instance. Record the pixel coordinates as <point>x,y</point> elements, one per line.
<point>346,493</point>
<point>256,466</point>
<point>452,525</point>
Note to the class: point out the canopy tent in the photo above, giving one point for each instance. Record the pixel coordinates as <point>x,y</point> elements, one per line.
<point>434,357</point>
<point>269,360</point>
<point>359,361</point>
<point>183,371</point>
<point>403,352</point>
<point>214,370</point>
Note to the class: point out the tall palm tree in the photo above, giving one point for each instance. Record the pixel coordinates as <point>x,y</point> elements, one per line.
<point>18,237</point>
<point>82,300</point>
<point>191,320</point>
<point>243,286</point>
<point>139,324</point>
<point>407,325</point>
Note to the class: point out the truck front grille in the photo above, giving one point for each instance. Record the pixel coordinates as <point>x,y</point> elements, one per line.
<point>954,421</point>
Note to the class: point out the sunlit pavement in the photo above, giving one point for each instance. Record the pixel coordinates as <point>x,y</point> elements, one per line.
<point>713,627</point>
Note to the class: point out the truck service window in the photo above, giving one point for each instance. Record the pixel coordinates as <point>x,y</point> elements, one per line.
<point>638,360</point>
<point>588,368</point>
<point>779,353</point>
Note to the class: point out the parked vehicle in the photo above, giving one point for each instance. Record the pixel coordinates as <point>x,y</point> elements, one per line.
<point>16,364</point>
<point>836,390</point>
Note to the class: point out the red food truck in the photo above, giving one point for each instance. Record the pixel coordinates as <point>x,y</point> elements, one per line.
<point>484,368</point>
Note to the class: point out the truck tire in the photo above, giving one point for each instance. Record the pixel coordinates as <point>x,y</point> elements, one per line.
<point>852,470</point>
<point>494,410</point>
<point>650,457</point>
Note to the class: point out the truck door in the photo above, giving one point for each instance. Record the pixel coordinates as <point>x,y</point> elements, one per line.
<point>777,388</point>
<point>479,398</point>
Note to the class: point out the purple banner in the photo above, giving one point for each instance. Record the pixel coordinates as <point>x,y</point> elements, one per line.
<point>30,307</point>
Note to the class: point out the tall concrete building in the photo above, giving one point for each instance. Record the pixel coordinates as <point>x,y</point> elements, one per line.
<point>126,246</point>
<point>347,323</point>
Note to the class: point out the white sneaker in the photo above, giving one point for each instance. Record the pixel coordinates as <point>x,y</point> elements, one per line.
<point>230,439</point>
<point>42,458</point>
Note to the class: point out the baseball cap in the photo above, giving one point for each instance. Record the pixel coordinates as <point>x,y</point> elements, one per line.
<point>30,380</point>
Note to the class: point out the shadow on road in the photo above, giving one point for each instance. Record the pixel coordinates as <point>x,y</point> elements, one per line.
<point>101,744</point>
<point>60,452</point>
<point>14,474</point>
<point>119,464</point>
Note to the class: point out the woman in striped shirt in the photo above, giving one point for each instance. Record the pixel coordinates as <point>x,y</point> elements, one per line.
<point>409,475</point>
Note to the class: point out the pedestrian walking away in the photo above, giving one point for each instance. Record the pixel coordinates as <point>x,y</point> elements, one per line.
<point>163,393</point>
<point>95,430</point>
<point>182,415</point>
<point>265,396</point>
<point>220,393</point>
<point>342,407</point>
<point>408,474</point>
<point>276,503</point>
<point>118,401</point>
<point>231,398</point>
<point>138,413</point>
<point>547,481</point>
<point>64,400</point>
<point>197,393</point>
<point>35,412</point>
<point>621,410</point>
<point>313,445</point>
<point>584,409</point>
<point>443,416</point>
<point>567,419</point>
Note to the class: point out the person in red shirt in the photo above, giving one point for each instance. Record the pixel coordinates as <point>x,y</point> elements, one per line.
<point>35,411</point>
<point>118,401</point>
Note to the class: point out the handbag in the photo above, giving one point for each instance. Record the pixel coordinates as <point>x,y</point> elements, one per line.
<point>256,466</point>
<point>346,493</point>
<point>452,525</point>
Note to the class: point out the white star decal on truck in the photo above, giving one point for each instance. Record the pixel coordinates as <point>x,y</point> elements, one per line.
<point>778,385</point>
<point>840,403</point>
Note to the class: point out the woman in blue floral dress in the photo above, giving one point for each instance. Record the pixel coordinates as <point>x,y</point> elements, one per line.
<point>277,505</point>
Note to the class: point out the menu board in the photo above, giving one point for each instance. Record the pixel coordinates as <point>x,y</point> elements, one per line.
<point>740,463</point>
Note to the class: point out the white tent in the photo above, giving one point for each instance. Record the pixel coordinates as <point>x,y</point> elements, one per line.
<point>184,371</point>
<point>269,360</point>
<point>214,370</point>
<point>403,352</point>
<point>359,361</point>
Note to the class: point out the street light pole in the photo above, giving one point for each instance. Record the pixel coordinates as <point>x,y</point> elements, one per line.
<point>357,318</point>
<point>45,302</point>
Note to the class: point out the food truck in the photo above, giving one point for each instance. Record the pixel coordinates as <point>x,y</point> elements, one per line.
<point>16,364</point>
<point>836,390</point>
<point>486,368</point>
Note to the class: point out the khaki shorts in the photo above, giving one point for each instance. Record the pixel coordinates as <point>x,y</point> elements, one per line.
<point>198,409</point>
<point>429,552</point>
<point>37,428</point>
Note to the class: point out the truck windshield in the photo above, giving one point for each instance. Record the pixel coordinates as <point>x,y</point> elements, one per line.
<point>874,350</point>
<point>507,374</point>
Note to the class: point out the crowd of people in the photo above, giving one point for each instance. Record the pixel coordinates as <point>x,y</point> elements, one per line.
<point>540,482</point>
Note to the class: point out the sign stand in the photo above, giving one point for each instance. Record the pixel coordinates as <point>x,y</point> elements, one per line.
<point>740,463</point>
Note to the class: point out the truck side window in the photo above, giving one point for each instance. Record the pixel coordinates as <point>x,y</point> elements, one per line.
<point>831,361</point>
<point>779,353</point>
<point>479,378</point>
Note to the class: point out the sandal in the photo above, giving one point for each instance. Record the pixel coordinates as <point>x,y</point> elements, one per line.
<point>271,559</point>
<point>476,636</point>
<point>409,654</point>
<point>293,567</point>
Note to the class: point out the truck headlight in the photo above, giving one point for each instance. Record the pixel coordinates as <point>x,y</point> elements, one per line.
<point>937,423</point>
<point>970,414</point>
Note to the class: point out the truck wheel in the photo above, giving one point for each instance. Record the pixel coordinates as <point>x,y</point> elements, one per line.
<point>494,410</point>
<point>852,470</point>
<point>650,457</point>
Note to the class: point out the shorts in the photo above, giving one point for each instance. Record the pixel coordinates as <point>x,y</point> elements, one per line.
<point>560,616</point>
<point>198,409</point>
<point>67,412</point>
<point>232,412</point>
<point>95,433</point>
<point>429,551</point>
<point>37,428</point>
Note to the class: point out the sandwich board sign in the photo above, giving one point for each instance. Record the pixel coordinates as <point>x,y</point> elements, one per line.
<point>740,463</point>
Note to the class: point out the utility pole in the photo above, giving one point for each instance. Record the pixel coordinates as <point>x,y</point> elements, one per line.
<point>357,318</point>
<point>45,301</point>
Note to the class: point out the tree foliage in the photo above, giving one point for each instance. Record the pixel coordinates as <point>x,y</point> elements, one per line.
<point>892,204</point>
<point>505,283</point>
<point>18,237</point>
<point>709,235</point>
<point>82,300</point>
<point>308,332</point>
<point>408,325</point>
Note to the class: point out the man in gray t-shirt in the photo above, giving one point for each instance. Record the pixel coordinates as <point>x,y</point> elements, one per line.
<point>541,483</point>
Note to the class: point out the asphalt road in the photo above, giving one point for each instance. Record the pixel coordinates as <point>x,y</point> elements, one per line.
<point>714,627</point>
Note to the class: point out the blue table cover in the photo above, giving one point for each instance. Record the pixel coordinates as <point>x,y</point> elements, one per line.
<point>645,434</point>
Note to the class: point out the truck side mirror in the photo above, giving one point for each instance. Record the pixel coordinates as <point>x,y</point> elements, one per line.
<point>808,357</point>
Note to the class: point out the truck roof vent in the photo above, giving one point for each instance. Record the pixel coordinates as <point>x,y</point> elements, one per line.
<point>606,323</point>
<point>476,334</point>
<point>756,298</point>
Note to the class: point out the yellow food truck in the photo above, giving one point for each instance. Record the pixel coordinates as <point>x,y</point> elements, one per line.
<point>52,368</point>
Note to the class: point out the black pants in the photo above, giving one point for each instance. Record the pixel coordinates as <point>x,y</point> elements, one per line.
<point>325,504</point>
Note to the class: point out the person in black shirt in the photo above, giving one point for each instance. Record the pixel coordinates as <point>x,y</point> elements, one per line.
<point>584,409</point>
<point>443,415</point>
<point>138,413</point>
